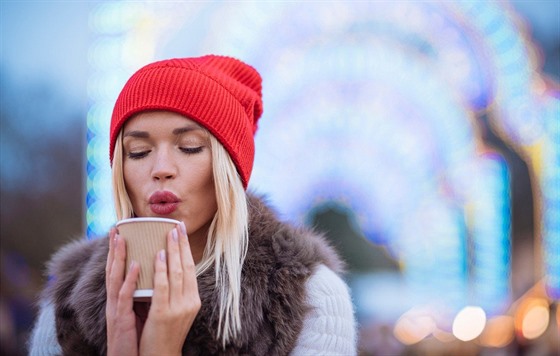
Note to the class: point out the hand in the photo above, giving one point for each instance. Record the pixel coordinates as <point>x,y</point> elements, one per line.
<point>122,336</point>
<point>175,302</point>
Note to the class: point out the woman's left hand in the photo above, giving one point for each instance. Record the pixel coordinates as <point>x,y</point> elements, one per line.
<point>121,320</point>
<point>175,302</point>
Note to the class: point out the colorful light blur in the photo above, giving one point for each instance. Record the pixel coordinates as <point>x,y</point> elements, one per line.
<point>371,105</point>
<point>414,326</point>
<point>127,34</point>
<point>532,318</point>
<point>499,332</point>
<point>551,198</point>
<point>526,113</point>
<point>469,323</point>
<point>489,220</point>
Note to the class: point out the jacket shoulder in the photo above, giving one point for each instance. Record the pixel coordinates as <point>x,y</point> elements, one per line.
<point>68,263</point>
<point>280,260</point>
<point>76,289</point>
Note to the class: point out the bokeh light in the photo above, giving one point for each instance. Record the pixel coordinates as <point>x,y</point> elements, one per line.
<point>469,323</point>
<point>532,318</point>
<point>489,220</point>
<point>499,332</point>
<point>414,326</point>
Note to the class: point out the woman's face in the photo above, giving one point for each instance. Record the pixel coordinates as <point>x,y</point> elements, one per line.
<point>167,166</point>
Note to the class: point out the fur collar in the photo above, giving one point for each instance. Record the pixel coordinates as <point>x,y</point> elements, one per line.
<point>279,261</point>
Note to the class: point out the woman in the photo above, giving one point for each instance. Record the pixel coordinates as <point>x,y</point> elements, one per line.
<point>233,279</point>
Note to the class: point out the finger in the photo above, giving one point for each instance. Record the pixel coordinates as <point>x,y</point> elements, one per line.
<point>110,255</point>
<point>187,261</point>
<point>161,284</point>
<point>126,292</point>
<point>174,266</point>
<point>111,303</point>
<point>116,277</point>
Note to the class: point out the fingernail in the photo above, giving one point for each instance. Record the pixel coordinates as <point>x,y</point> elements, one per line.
<point>132,264</point>
<point>115,239</point>
<point>162,255</point>
<point>183,227</point>
<point>175,236</point>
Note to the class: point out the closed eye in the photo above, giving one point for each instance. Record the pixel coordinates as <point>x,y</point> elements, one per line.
<point>191,150</point>
<point>137,155</point>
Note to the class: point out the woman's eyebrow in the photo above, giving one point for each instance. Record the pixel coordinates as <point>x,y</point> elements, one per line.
<point>137,134</point>
<point>182,130</point>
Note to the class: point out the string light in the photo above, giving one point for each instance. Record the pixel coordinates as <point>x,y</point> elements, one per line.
<point>489,221</point>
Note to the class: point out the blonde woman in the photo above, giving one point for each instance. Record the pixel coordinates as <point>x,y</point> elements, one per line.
<point>234,279</point>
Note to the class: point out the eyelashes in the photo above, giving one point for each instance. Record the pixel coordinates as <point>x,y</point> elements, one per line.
<point>137,155</point>
<point>191,150</point>
<point>186,150</point>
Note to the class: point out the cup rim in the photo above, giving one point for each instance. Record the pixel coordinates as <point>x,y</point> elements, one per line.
<point>146,219</point>
<point>141,293</point>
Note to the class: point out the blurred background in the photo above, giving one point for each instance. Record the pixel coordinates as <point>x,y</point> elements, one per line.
<point>422,137</point>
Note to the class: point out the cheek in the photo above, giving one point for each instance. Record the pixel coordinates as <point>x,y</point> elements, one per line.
<point>199,173</point>
<point>133,182</point>
<point>202,184</point>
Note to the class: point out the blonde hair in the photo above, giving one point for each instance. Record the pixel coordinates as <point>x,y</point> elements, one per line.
<point>228,235</point>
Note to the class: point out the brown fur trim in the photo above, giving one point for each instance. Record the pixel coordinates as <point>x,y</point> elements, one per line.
<point>279,261</point>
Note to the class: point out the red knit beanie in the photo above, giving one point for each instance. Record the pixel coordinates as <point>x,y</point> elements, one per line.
<point>222,94</point>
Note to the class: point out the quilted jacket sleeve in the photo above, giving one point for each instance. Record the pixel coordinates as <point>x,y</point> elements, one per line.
<point>330,327</point>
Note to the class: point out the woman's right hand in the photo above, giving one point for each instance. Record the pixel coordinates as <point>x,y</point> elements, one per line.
<point>175,302</point>
<point>122,336</point>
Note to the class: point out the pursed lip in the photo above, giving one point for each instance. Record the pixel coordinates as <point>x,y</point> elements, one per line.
<point>163,202</point>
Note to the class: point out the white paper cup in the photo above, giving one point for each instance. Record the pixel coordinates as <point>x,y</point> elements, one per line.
<point>144,238</point>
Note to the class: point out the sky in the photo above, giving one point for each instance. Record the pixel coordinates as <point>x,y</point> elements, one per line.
<point>47,41</point>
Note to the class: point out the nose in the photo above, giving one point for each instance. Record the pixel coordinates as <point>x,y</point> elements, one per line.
<point>164,167</point>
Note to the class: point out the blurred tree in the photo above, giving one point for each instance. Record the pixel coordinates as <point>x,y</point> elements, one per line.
<point>41,148</point>
<point>360,254</point>
<point>41,151</point>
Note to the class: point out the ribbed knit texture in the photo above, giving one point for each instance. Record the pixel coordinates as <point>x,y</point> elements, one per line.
<point>43,340</point>
<point>329,328</point>
<point>222,94</point>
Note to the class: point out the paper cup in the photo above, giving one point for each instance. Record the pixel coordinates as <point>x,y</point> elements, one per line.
<point>144,238</point>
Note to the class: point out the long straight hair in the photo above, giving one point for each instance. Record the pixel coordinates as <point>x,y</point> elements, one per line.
<point>228,235</point>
